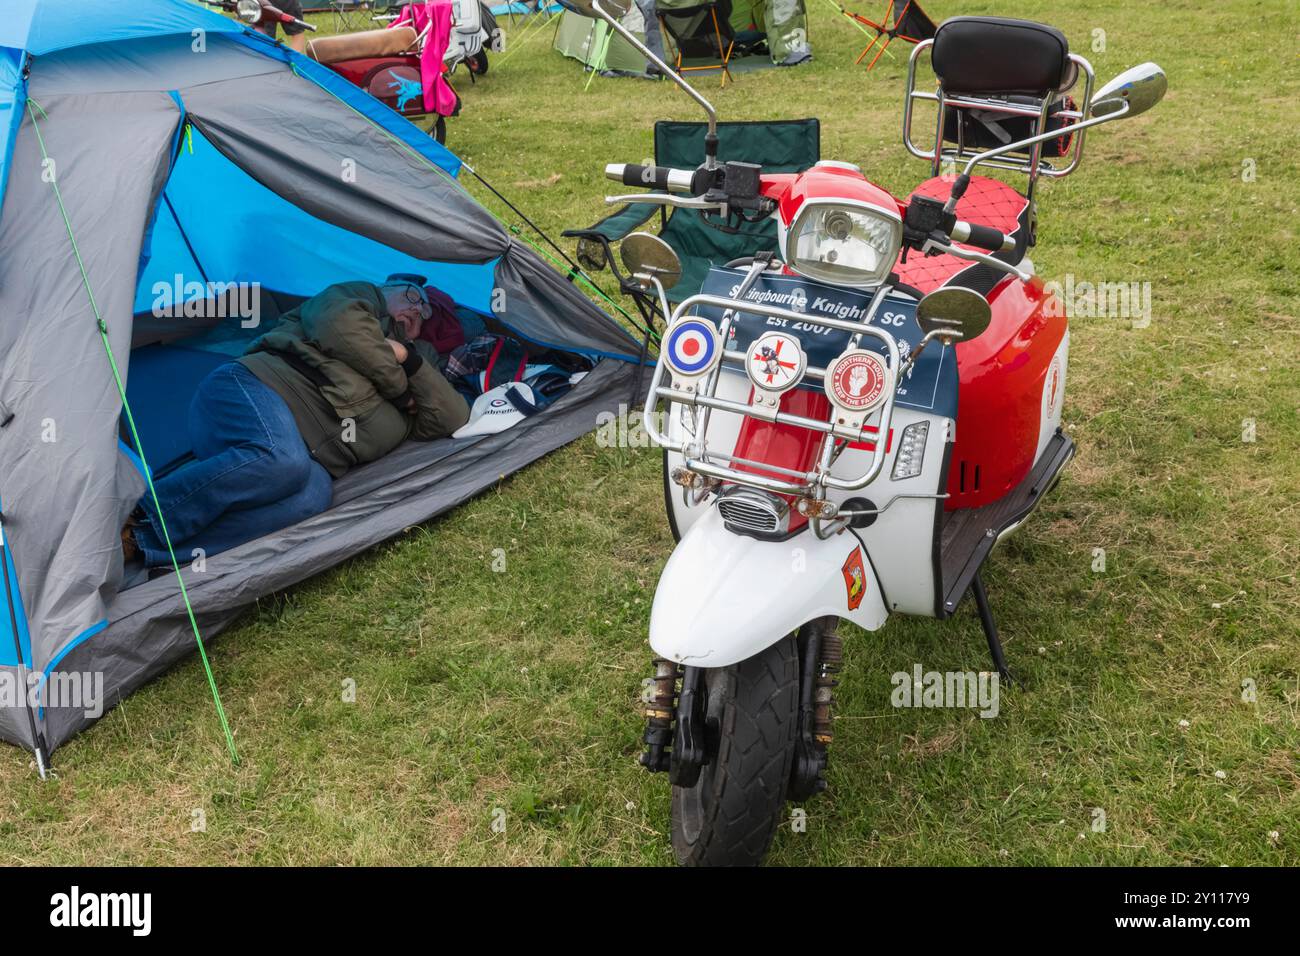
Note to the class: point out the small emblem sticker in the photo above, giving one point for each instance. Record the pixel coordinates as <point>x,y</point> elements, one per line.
<point>855,578</point>
<point>692,347</point>
<point>856,380</point>
<point>776,362</point>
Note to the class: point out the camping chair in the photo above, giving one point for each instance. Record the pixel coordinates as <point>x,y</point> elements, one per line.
<point>782,146</point>
<point>909,23</point>
<point>700,31</point>
<point>349,15</point>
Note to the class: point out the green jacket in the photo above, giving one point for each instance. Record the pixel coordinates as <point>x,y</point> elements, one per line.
<point>348,393</point>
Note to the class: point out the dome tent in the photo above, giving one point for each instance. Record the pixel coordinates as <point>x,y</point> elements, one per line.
<point>157,145</point>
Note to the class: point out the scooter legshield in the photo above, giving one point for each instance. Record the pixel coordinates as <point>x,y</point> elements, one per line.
<point>724,597</point>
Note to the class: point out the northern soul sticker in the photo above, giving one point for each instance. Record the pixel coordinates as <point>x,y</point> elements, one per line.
<point>856,381</point>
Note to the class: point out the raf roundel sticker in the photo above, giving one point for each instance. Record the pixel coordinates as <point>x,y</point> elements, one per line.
<point>856,380</point>
<point>692,347</point>
<point>855,578</point>
<point>775,362</point>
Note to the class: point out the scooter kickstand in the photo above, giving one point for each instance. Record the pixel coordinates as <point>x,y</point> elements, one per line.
<point>990,629</point>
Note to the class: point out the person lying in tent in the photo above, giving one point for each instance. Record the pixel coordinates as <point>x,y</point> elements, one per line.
<point>341,380</point>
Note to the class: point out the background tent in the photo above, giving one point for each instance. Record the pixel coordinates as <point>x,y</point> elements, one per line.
<point>784,22</point>
<point>152,145</point>
<point>592,43</point>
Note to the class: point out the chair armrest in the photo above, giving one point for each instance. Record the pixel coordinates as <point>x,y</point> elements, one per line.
<point>618,225</point>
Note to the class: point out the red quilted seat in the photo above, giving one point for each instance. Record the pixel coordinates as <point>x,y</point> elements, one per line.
<point>988,202</point>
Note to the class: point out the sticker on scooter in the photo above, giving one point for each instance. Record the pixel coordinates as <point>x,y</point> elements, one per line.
<point>775,363</point>
<point>856,381</point>
<point>692,348</point>
<point>855,578</point>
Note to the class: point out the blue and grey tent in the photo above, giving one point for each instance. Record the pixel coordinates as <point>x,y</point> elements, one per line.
<point>151,152</point>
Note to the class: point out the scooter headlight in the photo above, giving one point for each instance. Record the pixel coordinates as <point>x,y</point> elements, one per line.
<point>854,245</point>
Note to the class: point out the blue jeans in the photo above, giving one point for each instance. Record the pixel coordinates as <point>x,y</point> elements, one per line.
<point>653,38</point>
<point>252,474</point>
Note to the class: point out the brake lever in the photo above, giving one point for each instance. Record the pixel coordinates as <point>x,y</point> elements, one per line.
<point>663,199</point>
<point>934,247</point>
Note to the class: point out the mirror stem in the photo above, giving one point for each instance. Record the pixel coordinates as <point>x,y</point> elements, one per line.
<point>711,140</point>
<point>951,204</point>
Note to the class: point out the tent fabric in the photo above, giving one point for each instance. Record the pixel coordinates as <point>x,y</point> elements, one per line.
<point>255,165</point>
<point>41,27</point>
<point>785,22</point>
<point>149,632</point>
<point>583,39</point>
<point>247,222</point>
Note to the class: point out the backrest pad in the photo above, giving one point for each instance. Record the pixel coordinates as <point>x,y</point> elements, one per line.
<point>1001,55</point>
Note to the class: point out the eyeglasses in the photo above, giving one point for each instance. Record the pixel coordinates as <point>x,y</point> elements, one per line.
<point>415,296</point>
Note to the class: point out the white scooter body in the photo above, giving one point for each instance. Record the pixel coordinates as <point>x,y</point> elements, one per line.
<point>715,606</point>
<point>708,613</point>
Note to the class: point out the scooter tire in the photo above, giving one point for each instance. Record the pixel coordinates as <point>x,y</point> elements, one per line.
<point>732,813</point>
<point>439,130</point>
<point>478,63</point>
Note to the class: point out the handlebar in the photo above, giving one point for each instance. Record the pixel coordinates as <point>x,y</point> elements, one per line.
<point>982,237</point>
<point>653,177</point>
<point>266,12</point>
<point>276,13</point>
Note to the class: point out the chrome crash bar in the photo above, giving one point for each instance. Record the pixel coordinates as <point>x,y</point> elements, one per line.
<point>704,399</point>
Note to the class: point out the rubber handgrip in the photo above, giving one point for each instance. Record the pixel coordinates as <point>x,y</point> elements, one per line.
<point>654,177</point>
<point>984,237</point>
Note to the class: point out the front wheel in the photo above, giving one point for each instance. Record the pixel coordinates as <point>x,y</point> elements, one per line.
<point>751,716</point>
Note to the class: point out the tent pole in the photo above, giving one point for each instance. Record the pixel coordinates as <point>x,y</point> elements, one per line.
<point>186,239</point>
<point>38,745</point>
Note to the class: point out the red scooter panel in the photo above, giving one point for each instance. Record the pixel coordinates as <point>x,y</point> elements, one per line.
<point>393,80</point>
<point>789,446</point>
<point>1000,400</point>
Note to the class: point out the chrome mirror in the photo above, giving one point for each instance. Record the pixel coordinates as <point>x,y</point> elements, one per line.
<point>953,312</point>
<point>644,254</point>
<point>1141,88</point>
<point>250,11</point>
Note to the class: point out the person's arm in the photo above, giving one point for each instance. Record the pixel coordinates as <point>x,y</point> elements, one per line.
<point>435,407</point>
<point>346,328</point>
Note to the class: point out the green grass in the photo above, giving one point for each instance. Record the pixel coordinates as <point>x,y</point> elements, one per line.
<point>478,691</point>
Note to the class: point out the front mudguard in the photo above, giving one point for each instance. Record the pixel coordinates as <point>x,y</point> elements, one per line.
<point>724,597</point>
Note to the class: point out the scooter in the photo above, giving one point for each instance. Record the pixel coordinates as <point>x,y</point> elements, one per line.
<point>850,422</point>
<point>474,31</point>
<point>258,13</point>
<point>386,63</point>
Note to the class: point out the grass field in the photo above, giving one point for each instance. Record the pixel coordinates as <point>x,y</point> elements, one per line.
<point>513,696</point>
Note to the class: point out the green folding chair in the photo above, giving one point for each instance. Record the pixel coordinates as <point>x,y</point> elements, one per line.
<point>779,146</point>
